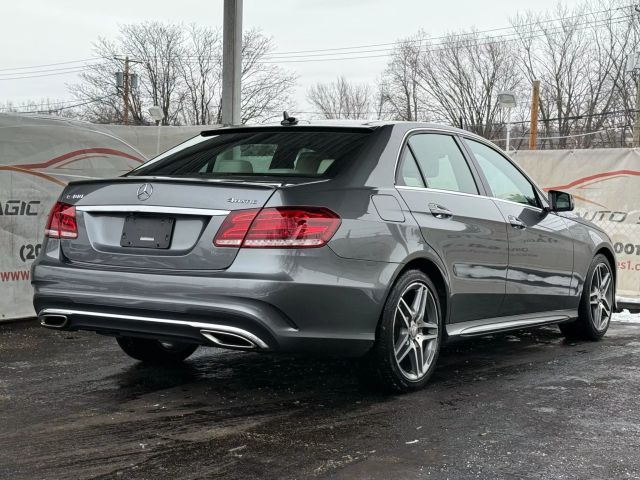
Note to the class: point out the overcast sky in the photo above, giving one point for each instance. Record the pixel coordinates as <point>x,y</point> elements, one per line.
<point>38,32</point>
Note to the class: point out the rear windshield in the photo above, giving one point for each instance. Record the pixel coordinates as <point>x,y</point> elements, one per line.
<point>267,153</point>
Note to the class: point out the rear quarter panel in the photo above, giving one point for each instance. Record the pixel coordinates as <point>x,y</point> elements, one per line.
<point>365,197</point>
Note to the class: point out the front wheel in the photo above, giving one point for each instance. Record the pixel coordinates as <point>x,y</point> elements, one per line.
<point>409,336</point>
<point>155,351</point>
<point>596,303</point>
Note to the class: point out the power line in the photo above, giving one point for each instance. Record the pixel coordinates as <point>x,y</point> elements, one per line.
<point>515,36</point>
<point>511,37</point>
<point>443,37</point>
<point>51,64</point>
<point>39,106</point>
<point>54,109</point>
<point>44,75</point>
<point>50,70</point>
<point>432,48</point>
<point>440,46</point>
<point>353,50</point>
<point>558,137</point>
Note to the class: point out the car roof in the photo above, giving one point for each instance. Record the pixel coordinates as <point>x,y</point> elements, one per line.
<point>353,125</point>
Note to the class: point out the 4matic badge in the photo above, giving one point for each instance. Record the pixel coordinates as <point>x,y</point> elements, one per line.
<point>244,201</point>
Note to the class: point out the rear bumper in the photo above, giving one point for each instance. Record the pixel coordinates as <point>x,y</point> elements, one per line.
<point>315,303</point>
<point>163,328</point>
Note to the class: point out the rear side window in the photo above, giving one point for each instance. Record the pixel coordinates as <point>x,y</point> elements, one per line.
<point>292,153</point>
<point>410,175</point>
<point>440,163</point>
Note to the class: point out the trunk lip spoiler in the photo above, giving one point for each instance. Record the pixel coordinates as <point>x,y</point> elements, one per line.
<point>188,180</point>
<point>208,212</point>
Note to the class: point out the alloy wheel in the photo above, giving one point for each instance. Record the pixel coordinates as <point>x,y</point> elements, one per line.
<point>601,296</point>
<point>415,331</point>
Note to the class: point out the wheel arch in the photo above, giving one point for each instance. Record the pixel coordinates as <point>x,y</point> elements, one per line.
<point>435,272</point>
<point>610,255</point>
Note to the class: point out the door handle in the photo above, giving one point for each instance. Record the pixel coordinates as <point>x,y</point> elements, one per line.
<point>516,223</point>
<point>439,211</point>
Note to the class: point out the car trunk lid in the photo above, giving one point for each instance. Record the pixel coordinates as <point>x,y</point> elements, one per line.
<point>157,224</point>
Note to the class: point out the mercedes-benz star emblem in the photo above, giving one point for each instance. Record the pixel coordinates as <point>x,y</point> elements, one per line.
<point>145,191</point>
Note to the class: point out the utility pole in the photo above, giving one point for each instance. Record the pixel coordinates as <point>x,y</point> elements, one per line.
<point>633,68</point>
<point>636,127</point>
<point>125,83</point>
<point>125,91</point>
<point>535,105</point>
<point>231,62</point>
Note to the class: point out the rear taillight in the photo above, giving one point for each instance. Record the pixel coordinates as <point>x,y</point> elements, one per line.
<point>235,228</point>
<point>62,222</point>
<point>279,227</point>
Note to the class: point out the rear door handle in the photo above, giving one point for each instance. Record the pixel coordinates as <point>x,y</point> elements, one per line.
<point>516,223</point>
<point>439,211</point>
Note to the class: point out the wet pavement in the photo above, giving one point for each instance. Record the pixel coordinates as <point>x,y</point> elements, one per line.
<point>524,405</point>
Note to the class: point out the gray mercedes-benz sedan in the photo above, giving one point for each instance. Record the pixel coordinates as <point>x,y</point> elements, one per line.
<point>373,240</point>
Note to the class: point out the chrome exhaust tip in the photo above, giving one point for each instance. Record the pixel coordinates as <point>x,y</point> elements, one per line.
<point>51,320</point>
<point>229,340</point>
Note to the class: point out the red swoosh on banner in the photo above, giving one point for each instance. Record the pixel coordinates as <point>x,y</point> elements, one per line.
<point>31,172</point>
<point>84,151</point>
<point>596,176</point>
<point>71,157</point>
<point>589,201</point>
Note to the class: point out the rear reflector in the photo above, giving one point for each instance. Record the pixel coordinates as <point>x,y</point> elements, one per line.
<point>279,227</point>
<point>62,222</point>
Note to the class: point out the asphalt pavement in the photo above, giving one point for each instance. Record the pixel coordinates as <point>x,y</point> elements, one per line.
<point>526,405</point>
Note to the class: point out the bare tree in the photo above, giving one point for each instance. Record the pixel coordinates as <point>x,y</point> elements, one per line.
<point>399,86</point>
<point>266,87</point>
<point>454,81</point>
<point>461,80</point>
<point>580,62</point>
<point>97,89</point>
<point>341,99</point>
<point>181,71</point>
<point>380,101</point>
<point>202,75</point>
<point>578,54</point>
<point>154,50</point>
<point>158,49</point>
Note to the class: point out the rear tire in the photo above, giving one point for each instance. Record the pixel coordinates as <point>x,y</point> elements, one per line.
<point>154,351</point>
<point>596,303</point>
<point>408,338</point>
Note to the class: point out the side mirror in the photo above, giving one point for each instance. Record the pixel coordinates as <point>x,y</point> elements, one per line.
<point>560,201</point>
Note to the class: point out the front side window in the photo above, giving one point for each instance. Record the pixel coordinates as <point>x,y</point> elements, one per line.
<point>442,163</point>
<point>505,180</point>
<point>290,153</point>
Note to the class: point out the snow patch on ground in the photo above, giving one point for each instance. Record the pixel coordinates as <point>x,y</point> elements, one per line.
<point>626,317</point>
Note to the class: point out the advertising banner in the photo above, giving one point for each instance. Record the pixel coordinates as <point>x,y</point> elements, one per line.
<point>605,184</point>
<point>38,157</point>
